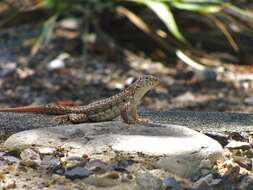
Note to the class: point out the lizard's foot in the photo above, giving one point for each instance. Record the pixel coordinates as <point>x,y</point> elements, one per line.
<point>140,121</point>
<point>61,119</point>
<point>143,121</point>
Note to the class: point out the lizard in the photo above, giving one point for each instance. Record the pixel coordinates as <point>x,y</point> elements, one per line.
<point>125,103</point>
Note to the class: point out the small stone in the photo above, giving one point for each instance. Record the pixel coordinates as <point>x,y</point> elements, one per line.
<point>126,177</point>
<point>56,64</point>
<point>74,160</point>
<point>246,183</point>
<point>59,62</point>
<point>7,68</point>
<point>220,137</point>
<point>147,181</point>
<point>97,166</point>
<point>70,23</point>
<point>248,100</point>
<point>243,161</point>
<point>8,184</point>
<point>2,154</point>
<point>203,182</point>
<point>238,145</point>
<point>30,158</point>
<point>204,172</point>
<point>205,164</point>
<point>11,159</point>
<point>171,183</point>
<point>235,136</point>
<point>216,184</point>
<point>46,150</point>
<point>122,165</point>
<point>77,172</point>
<point>50,162</point>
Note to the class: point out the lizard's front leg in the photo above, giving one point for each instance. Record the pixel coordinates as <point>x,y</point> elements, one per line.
<point>73,118</point>
<point>130,116</point>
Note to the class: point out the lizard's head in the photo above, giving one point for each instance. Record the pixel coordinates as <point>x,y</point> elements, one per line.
<point>142,85</point>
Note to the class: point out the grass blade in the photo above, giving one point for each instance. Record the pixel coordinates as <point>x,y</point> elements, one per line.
<point>44,34</point>
<point>163,11</point>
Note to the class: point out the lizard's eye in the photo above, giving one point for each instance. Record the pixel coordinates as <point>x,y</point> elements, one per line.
<point>124,100</point>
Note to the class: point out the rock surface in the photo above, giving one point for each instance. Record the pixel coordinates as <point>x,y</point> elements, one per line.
<point>175,148</point>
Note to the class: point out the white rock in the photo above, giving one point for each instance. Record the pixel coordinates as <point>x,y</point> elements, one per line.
<point>175,148</point>
<point>58,62</point>
<point>46,150</point>
<point>238,145</point>
<point>70,23</point>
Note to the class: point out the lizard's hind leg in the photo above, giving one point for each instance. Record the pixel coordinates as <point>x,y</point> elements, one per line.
<point>71,118</point>
<point>61,119</point>
<point>78,117</point>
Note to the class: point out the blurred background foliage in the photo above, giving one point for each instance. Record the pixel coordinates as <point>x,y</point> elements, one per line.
<point>189,29</point>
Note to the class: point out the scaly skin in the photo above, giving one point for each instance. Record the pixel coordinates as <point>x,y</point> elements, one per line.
<point>124,103</point>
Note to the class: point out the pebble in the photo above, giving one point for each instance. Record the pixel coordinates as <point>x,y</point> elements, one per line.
<point>77,172</point>
<point>203,182</point>
<point>7,68</point>
<point>59,62</point>
<point>122,165</point>
<point>70,23</point>
<point>50,162</point>
<point>243,161</point>
<point>97,166</point>
<point>30,158</point>
<point>9,184</point>
<point>238,145</point>
<point>205,164</point>
<point>171,183</point>
<point>147,181</point>
<point>11,159</point>
<point>246,183</point>
<point>216,183</point>
<point>47,150</point>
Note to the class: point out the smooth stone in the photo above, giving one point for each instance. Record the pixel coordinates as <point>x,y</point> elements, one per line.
<point>46,150</point>
<point>97,166</point>
<point>30,157</point>
<point>50,162</point>
<point>178,149</point>
<point>203,182</point>
<point>77,172</point>
<point>171,183</point>
<point>243,161</point>
<point>146,181</point>
<point>238,145</point>
<point>10,159</point>
<point>246,183</point>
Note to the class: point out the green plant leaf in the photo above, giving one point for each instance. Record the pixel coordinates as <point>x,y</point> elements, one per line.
<point>194,7</point>
<point>45,33</point>
<point>199,1</point>
<point>163,11</point>
<point>240,11</point>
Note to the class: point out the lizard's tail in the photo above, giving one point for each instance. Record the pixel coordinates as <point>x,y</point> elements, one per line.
<point>36,109</point>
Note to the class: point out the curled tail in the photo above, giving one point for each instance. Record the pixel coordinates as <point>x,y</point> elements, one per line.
<point>46,109</point>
